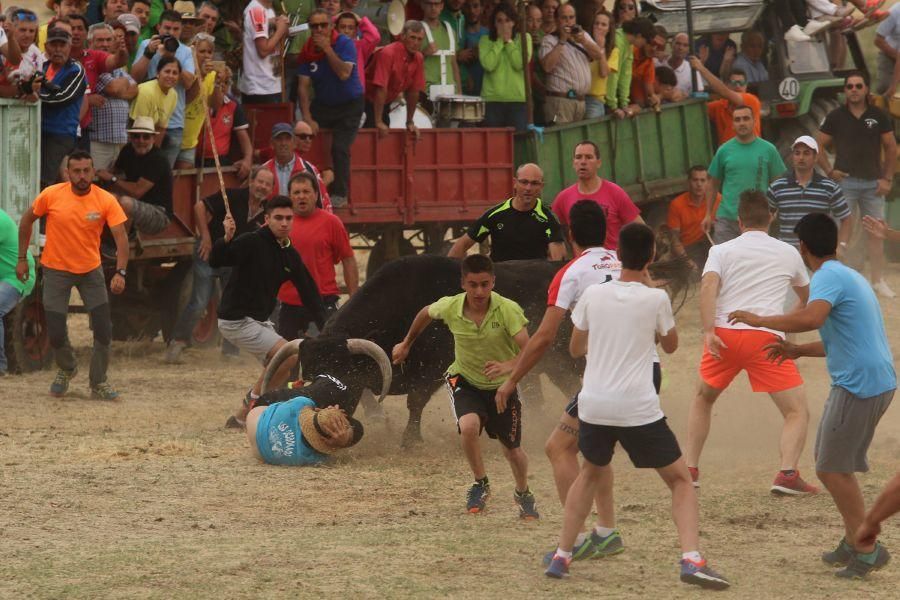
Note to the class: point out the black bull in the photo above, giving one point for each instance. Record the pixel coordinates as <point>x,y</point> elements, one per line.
<point>384,308</point>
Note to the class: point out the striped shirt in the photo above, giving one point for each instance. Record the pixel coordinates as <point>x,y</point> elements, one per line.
<point>793,202</point>
<point>572,72</point>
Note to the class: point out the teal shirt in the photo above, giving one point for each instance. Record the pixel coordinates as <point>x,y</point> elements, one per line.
<point>504,77</point>
<point>9,256</point>
<point>740,167</point>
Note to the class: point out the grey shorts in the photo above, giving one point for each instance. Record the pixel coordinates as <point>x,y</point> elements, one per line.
<point>252,336</point>
<point>861,193</point>
<point>148,218</point>
<point>846,429</point>
<point>725,230</point>
<point>58,288</point>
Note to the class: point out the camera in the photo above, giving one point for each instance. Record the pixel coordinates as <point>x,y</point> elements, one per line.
<point>576,29</point>
<point>170,43</point>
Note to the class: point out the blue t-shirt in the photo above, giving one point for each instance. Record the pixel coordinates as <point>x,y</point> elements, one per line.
<point>278,436</point>
<point>186,58</point>
<point>329,88</point>
<point>856,347</point>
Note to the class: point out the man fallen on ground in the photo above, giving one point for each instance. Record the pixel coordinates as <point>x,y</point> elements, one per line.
<point>845,310</point>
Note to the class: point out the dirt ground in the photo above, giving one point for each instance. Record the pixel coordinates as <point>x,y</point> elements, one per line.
<point>151,498</point>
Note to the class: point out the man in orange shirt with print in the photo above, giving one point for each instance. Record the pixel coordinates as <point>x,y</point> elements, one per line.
<point>733,95</point>
<point>75,213</point>
<point>685,218</point>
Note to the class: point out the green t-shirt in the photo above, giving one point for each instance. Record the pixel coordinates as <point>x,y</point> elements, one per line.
<point>741,167</point>
<point>473,345</point>
<point>433,62</point>
<point>9,256</point>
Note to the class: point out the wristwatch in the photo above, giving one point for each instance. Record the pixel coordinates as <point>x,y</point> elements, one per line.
<point>114,179</point>
<point>121,272</point>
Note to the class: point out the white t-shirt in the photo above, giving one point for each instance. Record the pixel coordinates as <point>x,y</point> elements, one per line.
<point>258,76</point>
<point>622,320</point>
<point>757,271</point>
<point>32,62</point>
<point>594,265</point>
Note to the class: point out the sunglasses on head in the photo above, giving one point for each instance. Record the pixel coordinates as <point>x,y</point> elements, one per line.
<point>304,136</point>
<point>855,86</point>
<point>25,16</point>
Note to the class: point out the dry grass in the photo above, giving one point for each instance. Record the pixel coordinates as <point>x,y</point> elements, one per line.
<point>151,498</point>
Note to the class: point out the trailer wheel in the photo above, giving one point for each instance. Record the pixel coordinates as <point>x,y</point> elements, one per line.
<point>29,347</point>
<point>379,252</point>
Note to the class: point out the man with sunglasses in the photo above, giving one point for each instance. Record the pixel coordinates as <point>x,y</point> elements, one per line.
<point>862,137</point>
<point>520,227</point>
<point>733,95</point>
<point>328,66</point>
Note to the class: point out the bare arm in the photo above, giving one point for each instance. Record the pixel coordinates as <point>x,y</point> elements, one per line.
<point>824,141</point>
<point>551,59</point>
<point>461,246</point>
<point>401,350</point>
<point>121,88</point>
<point>494,369</point>
<point>135,189</point>
<point>669,342</point>
<point>557,250</point>
<point>806,319</point>
<point>889,150</point>
<point>844,231</point>
<point>303,83</point>
<point>351,274</point>
<point>715,84</point>
<point>885,48</point>
<point>887,504</point>
<point>121,237</point>
<point>340,67</point>
<point>272,44</point>
<point>542,339</point>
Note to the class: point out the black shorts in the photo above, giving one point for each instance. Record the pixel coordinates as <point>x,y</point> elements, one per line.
<point>650,446</point>
<point>466,398</point>
<point>572,406</point>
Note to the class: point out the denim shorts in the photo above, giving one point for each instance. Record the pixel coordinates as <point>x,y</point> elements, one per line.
<point>861,193</point>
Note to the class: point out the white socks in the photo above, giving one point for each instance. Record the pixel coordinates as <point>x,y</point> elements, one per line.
<point>692,556</point>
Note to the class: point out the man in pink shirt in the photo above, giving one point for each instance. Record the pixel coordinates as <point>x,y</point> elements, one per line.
<point>618,207</point>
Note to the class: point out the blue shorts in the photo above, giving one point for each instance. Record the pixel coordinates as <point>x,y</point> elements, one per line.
<point>278,436</point>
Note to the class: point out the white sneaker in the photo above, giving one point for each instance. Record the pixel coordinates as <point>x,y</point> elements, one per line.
<point>881,288</point>
<point>813,27</point>
<point>795,34</point>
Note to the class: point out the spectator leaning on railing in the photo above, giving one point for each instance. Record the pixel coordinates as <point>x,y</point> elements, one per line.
<point>394,70</point>
<point>110,116</point>
<point>503,86</point>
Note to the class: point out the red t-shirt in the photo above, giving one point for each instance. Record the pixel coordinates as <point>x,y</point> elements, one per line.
<point>720,113</point>
<point>322,242</point>
<point>394,69</point>
<point>94,63</point>
<point>617,206</point>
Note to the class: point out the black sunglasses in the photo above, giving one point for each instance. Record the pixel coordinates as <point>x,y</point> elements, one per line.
<point>318,25</point>
<point>855,86</point>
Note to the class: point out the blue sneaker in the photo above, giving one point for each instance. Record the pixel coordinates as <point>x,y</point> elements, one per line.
<point>60,384</point>
<point>477,496</point>
<point>580,551</point>
<point>607,546</point>
<point>559,567</point>
<point>861,565</point>
<point>527,506</point>
<point>700,574</point>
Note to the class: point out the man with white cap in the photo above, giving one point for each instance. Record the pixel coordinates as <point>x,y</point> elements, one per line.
<point>802,191</point>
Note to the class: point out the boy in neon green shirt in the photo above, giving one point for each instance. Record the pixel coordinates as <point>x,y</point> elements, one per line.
<point>488,333</point>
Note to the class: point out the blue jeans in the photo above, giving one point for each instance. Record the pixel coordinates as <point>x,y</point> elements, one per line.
<point>201,292</point>
<point>594,108</point>
<point>172,147</point>
<point>9,298</point>
<point>861,193</point>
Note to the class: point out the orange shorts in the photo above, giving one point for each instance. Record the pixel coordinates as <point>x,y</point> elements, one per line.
<point>744,350</point>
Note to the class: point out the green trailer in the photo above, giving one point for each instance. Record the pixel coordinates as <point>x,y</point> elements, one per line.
<point>647,155</point>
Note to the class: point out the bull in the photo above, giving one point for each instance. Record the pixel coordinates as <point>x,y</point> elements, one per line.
<point>383,309</point>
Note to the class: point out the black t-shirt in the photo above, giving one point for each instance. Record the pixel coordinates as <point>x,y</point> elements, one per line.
<point>857,142</point>
<point>517,235</point>
<point>153,167</point>
<point>239,202</point>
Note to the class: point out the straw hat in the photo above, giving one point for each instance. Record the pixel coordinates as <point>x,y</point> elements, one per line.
<point>312,420</point>
<point>142,125</point>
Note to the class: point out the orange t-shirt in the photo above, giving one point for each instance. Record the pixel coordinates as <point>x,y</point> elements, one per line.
<point>74,225</point>
<point>687,218</point>
<point>720,111</point>
<point>643,72</point>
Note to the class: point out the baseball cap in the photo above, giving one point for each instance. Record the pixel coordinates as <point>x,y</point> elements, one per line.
<point>132,23</point>
<point>280,128</point>
<point>57,34</point>
<point>807,141</point>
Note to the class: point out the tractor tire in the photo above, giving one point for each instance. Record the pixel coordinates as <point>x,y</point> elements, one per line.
<point>379,252</point>
<point>28,348</point>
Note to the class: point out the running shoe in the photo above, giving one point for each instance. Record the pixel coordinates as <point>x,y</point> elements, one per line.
<point>859,567</point>
<point>60,384</point>
<point>695,476</point>
<point>104,391</point>
<point>527,506</point>
<point>583,550</point>
<point>792,485</point>
<point>559,567</point>
<point>607,546</point>
<point>700,574</point>
<point>477,497</point>
<point>840,556</point>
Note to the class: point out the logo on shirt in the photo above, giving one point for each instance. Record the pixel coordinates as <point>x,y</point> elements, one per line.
<point>282,440</point>
<point>871,123</point>
<point>313,67</point>
<point>92,216</point>
<point>495,325</point>
<point>499,226</point>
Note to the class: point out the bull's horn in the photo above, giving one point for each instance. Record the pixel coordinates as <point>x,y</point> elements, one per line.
<point>374,351</point>
<point>290,349</point>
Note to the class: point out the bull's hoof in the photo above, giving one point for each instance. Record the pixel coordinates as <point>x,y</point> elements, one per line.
<point>411,439</point>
